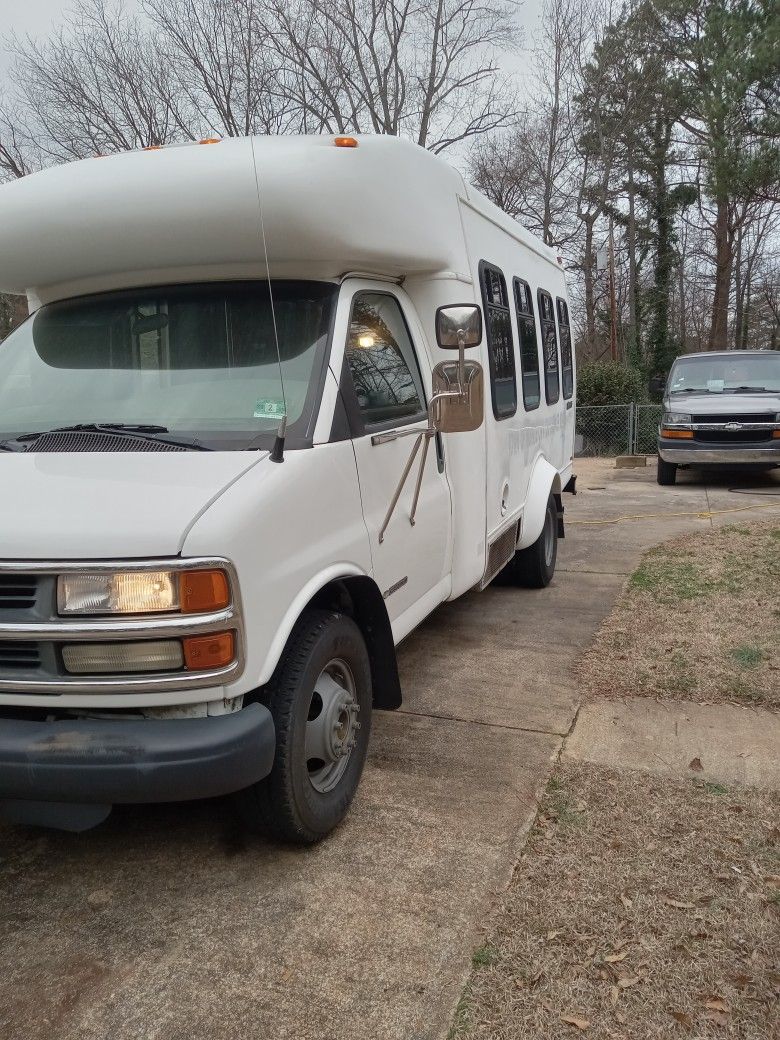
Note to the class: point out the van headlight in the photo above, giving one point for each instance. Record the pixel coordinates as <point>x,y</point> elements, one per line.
<point>675,418</point>
<point>142,592</point>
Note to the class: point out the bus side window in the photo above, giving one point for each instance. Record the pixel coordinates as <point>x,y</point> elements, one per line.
<point>529,348</point>
<point>564,330</point>
<point>500,345</point>
<point>549,347</point>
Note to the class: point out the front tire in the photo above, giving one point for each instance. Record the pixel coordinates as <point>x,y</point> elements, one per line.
<point>534,567</point>
<point>666,473</point>
<point>320,699</point>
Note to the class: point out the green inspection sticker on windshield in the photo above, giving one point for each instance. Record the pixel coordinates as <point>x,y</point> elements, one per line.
<point>268,408</point>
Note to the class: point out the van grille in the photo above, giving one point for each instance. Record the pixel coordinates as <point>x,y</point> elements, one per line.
<point>17,591</point>
<point>768,417</point>
<point>20,655</point>
<point>732,436</point>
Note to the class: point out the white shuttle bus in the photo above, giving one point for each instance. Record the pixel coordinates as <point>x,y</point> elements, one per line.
<point>277,399</point>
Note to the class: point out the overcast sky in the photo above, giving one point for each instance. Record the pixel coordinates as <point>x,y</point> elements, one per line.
<point>37,17</point>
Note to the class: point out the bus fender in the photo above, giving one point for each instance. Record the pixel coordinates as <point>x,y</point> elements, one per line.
<point>544,481</point>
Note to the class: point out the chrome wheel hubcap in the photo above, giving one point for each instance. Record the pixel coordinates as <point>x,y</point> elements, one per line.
<point>331,726</point>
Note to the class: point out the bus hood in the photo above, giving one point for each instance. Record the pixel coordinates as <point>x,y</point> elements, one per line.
<point>109,505</point>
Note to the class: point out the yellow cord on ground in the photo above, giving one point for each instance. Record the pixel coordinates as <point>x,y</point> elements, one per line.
<point>649,516</point>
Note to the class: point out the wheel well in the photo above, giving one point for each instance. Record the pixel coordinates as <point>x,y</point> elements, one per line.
<point>360,599</point>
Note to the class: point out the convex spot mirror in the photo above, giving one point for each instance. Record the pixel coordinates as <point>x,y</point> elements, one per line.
<point>458,325</point>
<point>462,410</point>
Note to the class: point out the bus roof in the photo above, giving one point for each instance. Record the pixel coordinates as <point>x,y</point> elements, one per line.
<point>191,212</point>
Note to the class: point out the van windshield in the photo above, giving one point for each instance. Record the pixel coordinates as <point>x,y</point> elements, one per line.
<point>199,361</point>
<point>719,374</point>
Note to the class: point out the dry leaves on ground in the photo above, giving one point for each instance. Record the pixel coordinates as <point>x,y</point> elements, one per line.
<point>661,897</point>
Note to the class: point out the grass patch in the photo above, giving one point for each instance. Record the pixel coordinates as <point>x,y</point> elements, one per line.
<point>462,1019</point>
<point>698,620</point>
<point>483,957</point>
<point>747,656</point>
<point>669,580</point>
<point>663,901</point>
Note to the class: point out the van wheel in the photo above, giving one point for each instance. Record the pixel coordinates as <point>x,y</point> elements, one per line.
<point>320,699</point>
<point>666,473</point>
<point>533,568</point>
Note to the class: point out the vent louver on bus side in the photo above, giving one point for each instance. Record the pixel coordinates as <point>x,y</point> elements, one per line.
<point>83,440</point>
<point>500,552</point>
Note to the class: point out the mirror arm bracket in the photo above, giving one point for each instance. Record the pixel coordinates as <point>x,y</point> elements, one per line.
<point>422,435</point>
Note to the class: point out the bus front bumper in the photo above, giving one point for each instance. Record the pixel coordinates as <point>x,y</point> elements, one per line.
<point>81,763</point>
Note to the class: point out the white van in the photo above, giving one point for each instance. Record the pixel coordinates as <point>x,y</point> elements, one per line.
<point>244,451</point>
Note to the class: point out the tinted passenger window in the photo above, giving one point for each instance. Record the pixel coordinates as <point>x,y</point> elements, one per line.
<point>529,348</point>
<point>500,345</point>
<point>564,329</point>
<point>382,361</point>
<point>549,347</point>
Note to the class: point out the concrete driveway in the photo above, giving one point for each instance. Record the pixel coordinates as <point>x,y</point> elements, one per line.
<point>169,921</point>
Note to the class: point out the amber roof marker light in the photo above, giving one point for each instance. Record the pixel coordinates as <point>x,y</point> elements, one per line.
<point>345,142</point>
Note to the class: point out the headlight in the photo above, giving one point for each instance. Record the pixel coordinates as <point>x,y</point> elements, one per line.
<point>675,418</point>
<point>143,592</point>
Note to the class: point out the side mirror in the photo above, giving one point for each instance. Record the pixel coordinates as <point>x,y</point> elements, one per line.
<point>460,408</point>
<point>459,326</point>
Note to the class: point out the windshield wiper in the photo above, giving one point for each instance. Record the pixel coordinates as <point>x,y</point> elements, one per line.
<point>748,390</point>
<point>143,431</point>
<point>693,390</point>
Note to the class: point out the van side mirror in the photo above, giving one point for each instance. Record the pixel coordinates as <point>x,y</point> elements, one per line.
<point>457,401</point>
<point>459,326</point>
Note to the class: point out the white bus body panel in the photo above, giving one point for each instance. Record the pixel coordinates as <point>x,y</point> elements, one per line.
<point>385,209</point>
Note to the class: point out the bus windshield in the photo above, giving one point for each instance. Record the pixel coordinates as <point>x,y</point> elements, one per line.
<point>199,361</point>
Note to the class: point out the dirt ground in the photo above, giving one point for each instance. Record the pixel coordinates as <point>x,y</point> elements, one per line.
<point>699,620</point>
<point>642,907</point>
<point>646,904</point>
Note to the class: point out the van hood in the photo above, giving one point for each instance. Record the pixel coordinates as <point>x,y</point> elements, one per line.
<point>723,403</point>
<point>109,505</point>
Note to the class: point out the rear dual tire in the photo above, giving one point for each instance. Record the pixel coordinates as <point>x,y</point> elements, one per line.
<point>320,699</point>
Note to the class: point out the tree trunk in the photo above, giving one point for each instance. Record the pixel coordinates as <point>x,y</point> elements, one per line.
<point>633,345</point>
<point>742,341</point>
<point>682,335</point>
<point>588,271</point>
<point>719,327</point>
<point>661,350</point>
<point>739,290</point>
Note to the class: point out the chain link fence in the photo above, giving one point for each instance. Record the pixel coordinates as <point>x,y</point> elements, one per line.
<point>617,429</point>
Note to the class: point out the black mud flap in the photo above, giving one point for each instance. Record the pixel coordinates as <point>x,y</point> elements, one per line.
<point>559,511</point>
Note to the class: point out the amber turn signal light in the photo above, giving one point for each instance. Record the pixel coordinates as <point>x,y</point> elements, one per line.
<point>776,433</point>
<point>201,591</point>
<point>215,651</point>
<point>678,434</point>
<point>345,142</point>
